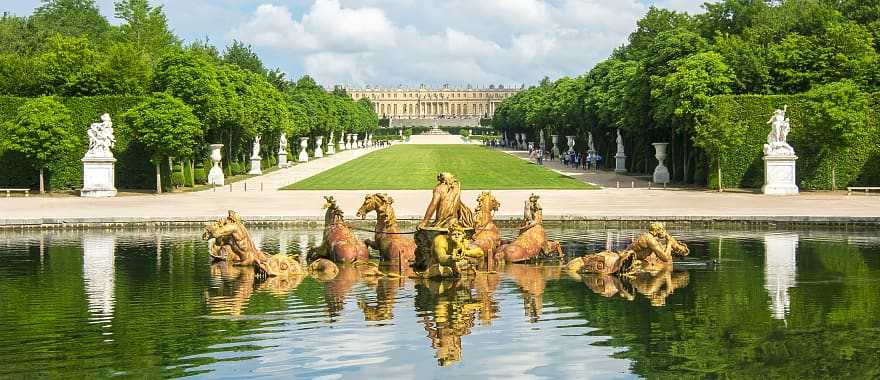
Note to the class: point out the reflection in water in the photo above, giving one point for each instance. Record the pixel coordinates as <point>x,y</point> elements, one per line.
<point>99,274</point>
<point>780,268</point>
<point>231,290</point>
<point>656,287</point>
<point>447,308</point>
<point>192,318</point>
<point>532,280</point>
<point>233,286</point>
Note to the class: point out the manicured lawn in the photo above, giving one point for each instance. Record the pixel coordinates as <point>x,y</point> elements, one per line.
<point>415,167</point>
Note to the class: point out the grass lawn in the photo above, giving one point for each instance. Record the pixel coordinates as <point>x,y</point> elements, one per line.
<point>415,167</point>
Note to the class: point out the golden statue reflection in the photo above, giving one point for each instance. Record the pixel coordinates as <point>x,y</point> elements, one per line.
<point>448,309</point>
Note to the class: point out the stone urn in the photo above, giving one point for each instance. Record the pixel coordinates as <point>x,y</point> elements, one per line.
<point>319,140</point>
<point>661,173</point>
<point>303,144</point>
<point>570,144</point>
<point>554,139</point>
<point>215,175</point>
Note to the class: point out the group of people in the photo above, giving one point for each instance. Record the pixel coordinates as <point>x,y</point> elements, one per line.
<point>575,160</point>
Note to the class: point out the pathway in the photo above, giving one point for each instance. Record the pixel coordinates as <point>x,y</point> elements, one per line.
<point>601,178</point>
<point>271,204</point>
<point>282,177</point>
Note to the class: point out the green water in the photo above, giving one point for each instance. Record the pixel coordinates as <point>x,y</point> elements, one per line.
<point>148,303</point>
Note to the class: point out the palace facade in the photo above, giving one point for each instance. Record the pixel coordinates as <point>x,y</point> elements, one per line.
<point>428,103</point>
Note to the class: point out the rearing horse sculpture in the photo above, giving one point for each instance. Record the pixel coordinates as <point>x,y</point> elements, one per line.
<point>486,235</point>
<point>390,244</point>
<point>532,239</point>
<point>339,243</point>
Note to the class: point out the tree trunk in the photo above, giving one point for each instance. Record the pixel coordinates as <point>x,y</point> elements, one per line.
<point>158,178</point>
<point>720,184</point>
<point>42,184</point>
<point>192,173</point>
<point>834,175</point>
<point>687,157</point>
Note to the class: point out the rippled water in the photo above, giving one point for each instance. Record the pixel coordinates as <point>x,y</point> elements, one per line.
<point>148,303</point>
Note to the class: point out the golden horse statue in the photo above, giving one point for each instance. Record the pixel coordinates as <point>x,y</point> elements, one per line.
<point>651,252</point>
<point>232,242</point>
<point>339,243</point>
<point>388,241</point>
<point>486,233</point>
<point>532,240</point>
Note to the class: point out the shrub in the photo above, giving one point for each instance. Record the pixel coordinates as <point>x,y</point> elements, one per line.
<point>201,176</point>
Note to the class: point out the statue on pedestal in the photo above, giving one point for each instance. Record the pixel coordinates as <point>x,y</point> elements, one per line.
<point>99,178</point>
<point>256,164</point>
<point>779,159</point>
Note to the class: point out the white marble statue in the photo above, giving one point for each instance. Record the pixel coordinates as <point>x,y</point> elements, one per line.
<point>592,148</point>
<point>256,148</point>
<point>282,143</point>
<point>619,143</point>
<point>776,141</point>
<point>101,138</point>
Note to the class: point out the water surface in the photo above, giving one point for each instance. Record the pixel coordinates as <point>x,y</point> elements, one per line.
<point>148,303</point>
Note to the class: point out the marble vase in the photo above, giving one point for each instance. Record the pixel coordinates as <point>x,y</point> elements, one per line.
<point>319,140</point>
<point>661,173</point>
<point>303,144</point>
<point>215,175</point>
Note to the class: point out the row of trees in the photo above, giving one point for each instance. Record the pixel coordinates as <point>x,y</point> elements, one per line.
<point>656,87</point>
<point>193,94</point>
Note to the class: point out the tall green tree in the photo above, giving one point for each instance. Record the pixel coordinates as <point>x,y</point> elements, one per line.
<point>70,18</point>
<point>244,57</point>
<point>167,128</point>
<point>40,133</point>
<point>145,27</point>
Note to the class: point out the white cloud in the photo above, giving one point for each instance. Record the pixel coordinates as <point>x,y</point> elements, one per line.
<point>390,42</point>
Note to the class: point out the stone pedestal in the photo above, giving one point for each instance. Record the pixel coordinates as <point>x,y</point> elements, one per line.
<point>661,173</point>
<point>303,144</point>
<point>215,175</point>
<point>620,163</point>
<point>779,175</point>
<point>318,142</point>
<point>99,178</point>
<point>256,165</point>
<point>282,160</point>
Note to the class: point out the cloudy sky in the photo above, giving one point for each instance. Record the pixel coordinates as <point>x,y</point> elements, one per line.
<point>410,42</point>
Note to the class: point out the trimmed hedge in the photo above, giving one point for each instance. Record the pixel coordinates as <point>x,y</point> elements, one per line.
<point>133,168</point>
<point>858,164</point>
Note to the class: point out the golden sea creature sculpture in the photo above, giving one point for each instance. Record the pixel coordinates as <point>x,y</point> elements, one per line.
<point>232,242</point>
<point>650,252</point>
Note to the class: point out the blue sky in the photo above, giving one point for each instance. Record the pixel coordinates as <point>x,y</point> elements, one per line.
<point>410,42</point>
